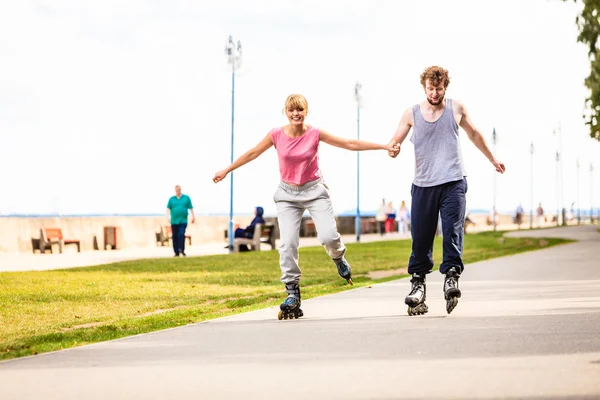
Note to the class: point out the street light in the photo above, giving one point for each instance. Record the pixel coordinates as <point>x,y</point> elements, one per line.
<point>531,151</point>
<point>494,200</point>
<point>234,58</point>
<point>557,188</point>
<point>578,206</point>
<point>559,175</point>
<point>591,193</point>
<point>358,99</point>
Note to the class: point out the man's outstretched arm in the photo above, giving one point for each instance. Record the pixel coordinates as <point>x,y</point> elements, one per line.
<point>477,138</point>
<point>404,126</point>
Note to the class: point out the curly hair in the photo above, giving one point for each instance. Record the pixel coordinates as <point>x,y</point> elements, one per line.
<point>435,75</point>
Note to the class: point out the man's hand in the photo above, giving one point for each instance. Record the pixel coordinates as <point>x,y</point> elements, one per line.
<point>393,149</point>
<point>193,219</point>
<point>499,166</point>
<point>219,176</point>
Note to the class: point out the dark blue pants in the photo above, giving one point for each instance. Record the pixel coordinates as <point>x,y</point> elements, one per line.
<point>178,232</point>
<point>448,201</point>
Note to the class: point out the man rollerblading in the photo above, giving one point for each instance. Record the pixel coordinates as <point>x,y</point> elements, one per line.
<point>440,185</point>
<point>417,296</point>
<point>290,308</point>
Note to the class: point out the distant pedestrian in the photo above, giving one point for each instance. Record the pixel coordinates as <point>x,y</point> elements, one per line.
<point>540,219</point>
<point>403,218</point>
<point>519,216</point>
<point>381,217</point>
<point>390,217</point>
<point>177,214</point>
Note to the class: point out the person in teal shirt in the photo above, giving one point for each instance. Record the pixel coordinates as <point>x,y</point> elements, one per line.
<point>177,213</point>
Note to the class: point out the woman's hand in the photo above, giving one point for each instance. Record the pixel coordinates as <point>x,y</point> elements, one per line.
<point>220,175</point>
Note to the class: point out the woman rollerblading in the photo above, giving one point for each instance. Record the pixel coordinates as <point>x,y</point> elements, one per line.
<point>344,269</point>
<point>302,188</point>
<point>290,308</point>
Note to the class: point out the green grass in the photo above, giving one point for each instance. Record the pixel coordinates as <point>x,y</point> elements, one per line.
<point>49,310</point>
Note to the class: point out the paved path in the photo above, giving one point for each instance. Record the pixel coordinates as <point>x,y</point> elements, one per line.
<point>527,327</point>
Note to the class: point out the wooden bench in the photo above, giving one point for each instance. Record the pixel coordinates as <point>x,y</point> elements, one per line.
<point>50,236</point>
<point>263,233</point>
<point>166,234</point>
<point>309,228</point>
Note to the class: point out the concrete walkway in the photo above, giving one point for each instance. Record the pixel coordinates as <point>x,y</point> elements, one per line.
<point>527,326</point>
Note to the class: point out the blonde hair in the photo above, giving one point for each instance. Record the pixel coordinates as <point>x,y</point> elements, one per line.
<point>435,75</point>
<point>296,101</point>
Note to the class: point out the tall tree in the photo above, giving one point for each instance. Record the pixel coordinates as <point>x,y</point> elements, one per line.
<point>588,23</point>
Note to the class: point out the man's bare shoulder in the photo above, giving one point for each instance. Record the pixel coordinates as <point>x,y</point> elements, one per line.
<point>407,116</point>
<point>458,106</point>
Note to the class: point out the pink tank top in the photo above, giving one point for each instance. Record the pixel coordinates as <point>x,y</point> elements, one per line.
<point>298,157</point>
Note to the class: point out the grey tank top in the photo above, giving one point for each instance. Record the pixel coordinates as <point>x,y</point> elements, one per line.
<point>438,157</point>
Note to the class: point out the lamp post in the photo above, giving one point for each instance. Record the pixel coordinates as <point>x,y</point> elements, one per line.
<point>531,151</point>
<point>557,189</point>
<point>494,216</point>
<point>578,205</point>
<point>357,96</point>
<point>233,52</point>
<point>559,176</point>
<point>591,193</point>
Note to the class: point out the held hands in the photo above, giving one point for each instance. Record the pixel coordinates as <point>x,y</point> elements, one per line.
<point>219,176</point>
<point>499,166</point>
<point>393,149</point>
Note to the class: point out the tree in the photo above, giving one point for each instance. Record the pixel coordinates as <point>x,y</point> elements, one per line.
<point>588,23</point>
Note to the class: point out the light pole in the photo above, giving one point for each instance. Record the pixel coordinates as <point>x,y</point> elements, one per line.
<point>531,150</point>
<point>559,176</point>
<point>494,216</point>
<point>234,58</point>
<point>357,89</point>
<point>578,206</point>
<point>591,193</point>
<point>557,188</point>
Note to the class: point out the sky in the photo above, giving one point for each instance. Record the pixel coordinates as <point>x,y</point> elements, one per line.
<point>106,105</point>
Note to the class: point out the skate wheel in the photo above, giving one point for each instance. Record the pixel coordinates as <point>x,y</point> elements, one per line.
<point>280,315</point>
<point>451,304</point>
<point>350,281</point>
<point>410,311</point>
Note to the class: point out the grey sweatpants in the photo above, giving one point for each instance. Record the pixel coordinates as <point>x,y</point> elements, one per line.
<point>291,203</point>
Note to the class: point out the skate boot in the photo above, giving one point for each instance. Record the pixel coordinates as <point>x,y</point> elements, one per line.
<point>417,296</point>
<point>451,290</point>
<point>290,308</point>
<point>344,269</point>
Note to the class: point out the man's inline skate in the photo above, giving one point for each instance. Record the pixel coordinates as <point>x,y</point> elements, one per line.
<point>451,290</point>
<point>344,269</point>
<point>417,296</point>
<point>290,308</point>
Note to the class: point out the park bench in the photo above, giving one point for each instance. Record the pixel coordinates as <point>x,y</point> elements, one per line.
<point>263,233</point>
<point>50,236</point>
<point>166,234</point>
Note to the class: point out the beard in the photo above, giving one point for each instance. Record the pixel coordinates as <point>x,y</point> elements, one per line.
<point>435,103</point>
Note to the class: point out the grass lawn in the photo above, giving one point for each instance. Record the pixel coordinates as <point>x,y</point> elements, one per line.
<point>49,310</point>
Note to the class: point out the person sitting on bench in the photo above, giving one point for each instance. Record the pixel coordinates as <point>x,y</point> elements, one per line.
<point>248,232</point>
